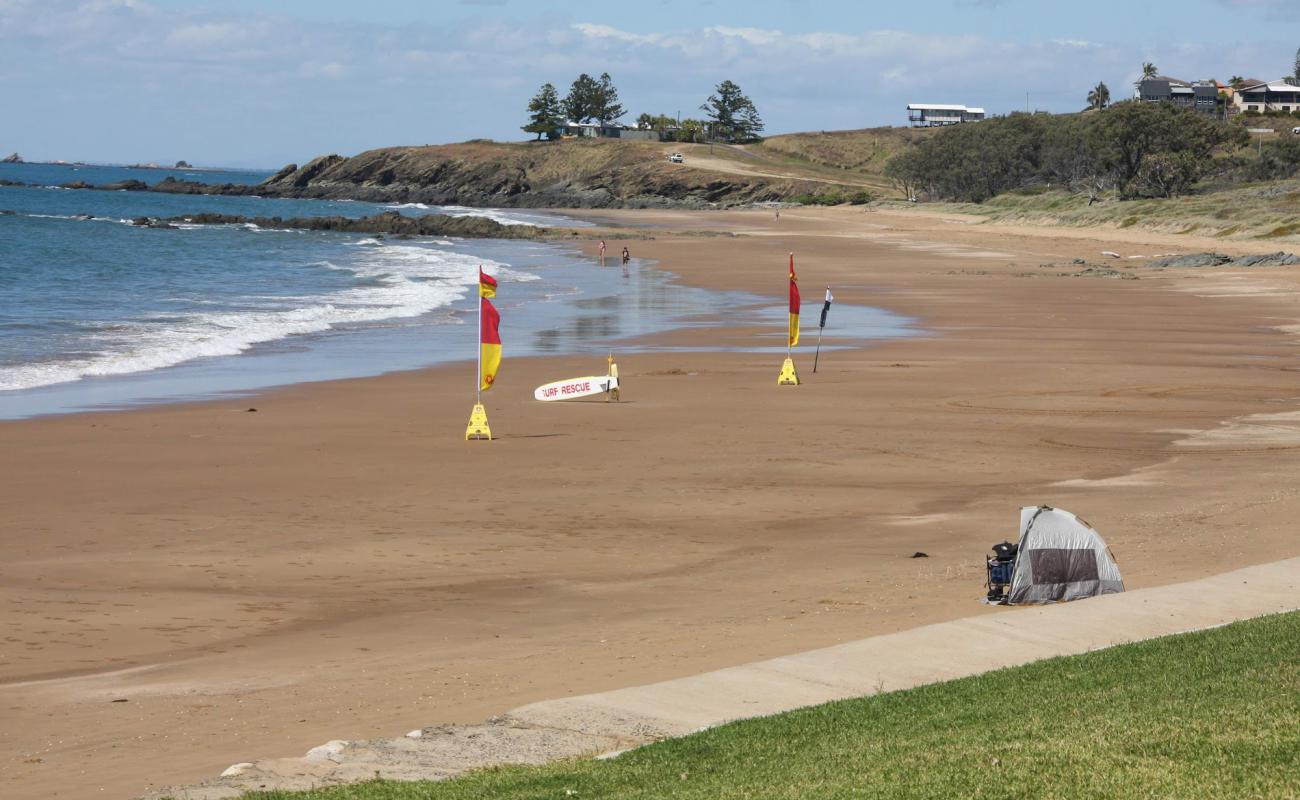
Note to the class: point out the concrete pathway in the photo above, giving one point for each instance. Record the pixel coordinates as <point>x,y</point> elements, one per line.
<point>612,721</point>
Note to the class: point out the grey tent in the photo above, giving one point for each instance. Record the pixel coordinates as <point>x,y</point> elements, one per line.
<point>1060,558</point>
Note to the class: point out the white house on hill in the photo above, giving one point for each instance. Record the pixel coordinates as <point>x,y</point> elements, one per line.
<point>926,115</point>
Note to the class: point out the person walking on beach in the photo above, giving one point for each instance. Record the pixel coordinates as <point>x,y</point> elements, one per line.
<point>602,252</point>
<point>626,256</point>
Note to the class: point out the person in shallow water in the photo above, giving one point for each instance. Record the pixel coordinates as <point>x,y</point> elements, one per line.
<point>626,256</point>
<point>602,251</point>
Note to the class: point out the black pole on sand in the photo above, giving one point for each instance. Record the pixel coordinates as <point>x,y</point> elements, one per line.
<point>821,327</point>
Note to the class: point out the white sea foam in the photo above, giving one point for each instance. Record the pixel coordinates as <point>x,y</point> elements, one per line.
<point>402,281</point>
<point>495,214</point>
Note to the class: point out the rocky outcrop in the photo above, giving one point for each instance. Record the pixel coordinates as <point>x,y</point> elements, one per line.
<point>547,175</point>
<point>387,223</point>
<point>153,222</point>
<point>1278,259</point>
<point>183,164</point>
<point>12,158</point>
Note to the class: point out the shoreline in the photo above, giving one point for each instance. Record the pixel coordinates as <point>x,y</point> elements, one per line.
<point>340,559</point>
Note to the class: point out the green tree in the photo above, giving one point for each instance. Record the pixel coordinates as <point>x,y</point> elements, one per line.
<point>1099,97</point>
<point>692,130</point>
<point>662,123</point>
<point>732,115</point>
<point>1130,132</point>
<point>582,102</point>
<point>544,113</point>
<point>1237,82</point>
<point>605,104</point>
<point>1149,70</point>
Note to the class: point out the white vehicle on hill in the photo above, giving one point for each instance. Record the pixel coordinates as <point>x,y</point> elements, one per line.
<point>1296,130</point>
<point>676,158</point>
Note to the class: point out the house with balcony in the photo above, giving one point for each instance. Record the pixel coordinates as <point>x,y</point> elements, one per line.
<point>929,115</point>
<point>1200,96</point>
<point>1279,95</point>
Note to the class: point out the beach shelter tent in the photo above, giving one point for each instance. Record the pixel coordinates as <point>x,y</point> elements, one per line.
<point>1060,558</point>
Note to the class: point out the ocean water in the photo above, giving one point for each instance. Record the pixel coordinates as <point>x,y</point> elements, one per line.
<point>96,313</point>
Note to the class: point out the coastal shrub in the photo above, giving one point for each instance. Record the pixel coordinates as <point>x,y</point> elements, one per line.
<point>1139,149</point>
<point>828,199</point>
<point>860,198</point>
<point>1278,160</point>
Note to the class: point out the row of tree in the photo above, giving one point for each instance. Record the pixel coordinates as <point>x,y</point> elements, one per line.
<point>1138,149</point>
<point>589,100</point>
<point>730,115</point>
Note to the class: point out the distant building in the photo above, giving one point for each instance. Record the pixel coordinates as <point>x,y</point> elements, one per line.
<point>1278,95</point>
<point>928,115</point>
<point>606,130</point>
<point>1202,96</point>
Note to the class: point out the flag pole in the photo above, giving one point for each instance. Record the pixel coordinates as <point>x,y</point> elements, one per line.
<point>821,327</point>
<point>788,346</point>
<point>478,344</point>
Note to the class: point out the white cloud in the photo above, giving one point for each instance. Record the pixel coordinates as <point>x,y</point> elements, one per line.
<point>248,86</point>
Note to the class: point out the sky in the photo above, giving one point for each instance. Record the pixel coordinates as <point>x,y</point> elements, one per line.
<point>260,84</point>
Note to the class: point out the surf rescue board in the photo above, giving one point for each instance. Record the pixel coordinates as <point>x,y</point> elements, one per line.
<point>574,388</point>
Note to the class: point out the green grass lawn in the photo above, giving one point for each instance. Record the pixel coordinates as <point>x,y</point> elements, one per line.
<point>1205,715</point>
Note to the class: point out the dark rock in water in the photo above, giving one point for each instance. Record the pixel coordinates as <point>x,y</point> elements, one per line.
<point>170,185</point>
<point>130,185</point>
<point>76,185</point>
<point>182,164</point>
<point>153,222</point>
<point>389,222</point>
<point>12,158</point>
<point>6,182</point>
<point>919,554</point>
<point>4,212</point>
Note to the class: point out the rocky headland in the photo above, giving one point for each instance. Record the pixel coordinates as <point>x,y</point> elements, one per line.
<point>539,175</point>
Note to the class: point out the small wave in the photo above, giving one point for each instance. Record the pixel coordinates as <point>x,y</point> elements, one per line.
<point>495,214</point>
<point>393,282</point>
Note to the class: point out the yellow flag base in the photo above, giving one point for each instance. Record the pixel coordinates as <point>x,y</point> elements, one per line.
<point>478,424</point>
<point>788,376</point>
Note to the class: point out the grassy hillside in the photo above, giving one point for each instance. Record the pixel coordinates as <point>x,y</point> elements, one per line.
<point>1269,211</point>
<point>1214,714</point>
<point>859,152</point>
<point>573,173</point>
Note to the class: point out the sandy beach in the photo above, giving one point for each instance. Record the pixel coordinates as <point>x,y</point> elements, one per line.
<point>189,586</point>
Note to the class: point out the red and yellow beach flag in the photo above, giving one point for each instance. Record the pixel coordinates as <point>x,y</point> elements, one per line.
<point>487,285</point>
<point>489,338</point>
<point>794,305</point>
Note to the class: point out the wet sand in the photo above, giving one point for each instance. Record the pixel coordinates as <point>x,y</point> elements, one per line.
<point>340,564</point>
